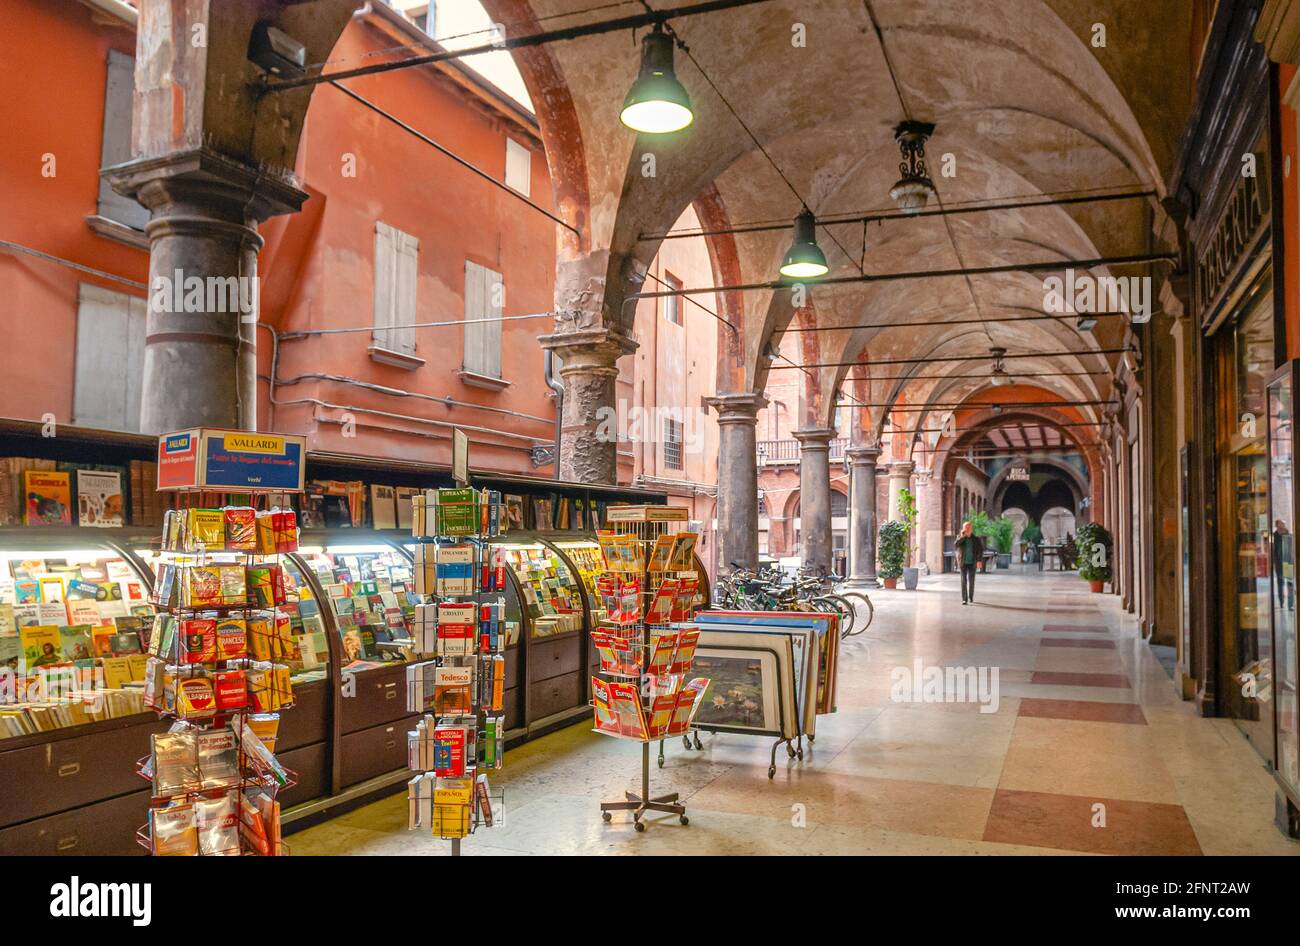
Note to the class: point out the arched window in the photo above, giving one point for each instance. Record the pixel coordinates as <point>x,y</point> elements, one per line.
<point>839,504</point>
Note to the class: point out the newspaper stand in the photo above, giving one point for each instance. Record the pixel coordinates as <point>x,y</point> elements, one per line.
<point>264,678</point>
<point>484,807</point>
<point>646,524</point>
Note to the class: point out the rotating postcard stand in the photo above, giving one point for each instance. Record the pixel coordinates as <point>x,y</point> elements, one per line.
<point>220,643</point>
<point>460,629</point>
<point>645,651</point>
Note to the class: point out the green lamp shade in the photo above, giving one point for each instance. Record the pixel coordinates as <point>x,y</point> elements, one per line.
<point>657,103</point>
<point>805,259</point>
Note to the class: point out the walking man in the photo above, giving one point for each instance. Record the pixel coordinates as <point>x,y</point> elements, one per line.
<point>970,550</point>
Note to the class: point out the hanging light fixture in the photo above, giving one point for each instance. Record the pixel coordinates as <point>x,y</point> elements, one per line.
<point>914,188</point>
<point>1000,376</point>
<point>657,103</point>
<point>805,259</point>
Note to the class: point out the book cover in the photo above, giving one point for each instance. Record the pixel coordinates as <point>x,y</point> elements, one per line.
<point>47,498</point>
<point>99,499</point>
<point>41,647</point>
<point>383,506</point>
<point>403,497</point>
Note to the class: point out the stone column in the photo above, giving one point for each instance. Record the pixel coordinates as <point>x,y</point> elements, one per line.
<point>737,479</point>
<point>200,359</point>
<point>900,478</point>
<point>815,496</point>
<point>589,426</point>
<point>862,517</point>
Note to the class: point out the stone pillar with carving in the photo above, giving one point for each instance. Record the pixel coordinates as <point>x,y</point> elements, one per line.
<point>737,479</point>
<point>815,497</point>
<point>862,516</point>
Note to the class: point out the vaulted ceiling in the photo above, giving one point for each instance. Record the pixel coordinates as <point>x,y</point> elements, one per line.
<point>1029,98</point>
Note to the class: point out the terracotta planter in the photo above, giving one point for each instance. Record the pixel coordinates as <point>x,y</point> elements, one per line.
<point>890,582</point>
<point>1096,586</point>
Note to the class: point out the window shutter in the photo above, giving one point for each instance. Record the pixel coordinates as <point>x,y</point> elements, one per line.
<point>482,339</point>
<point>397,270</point>
<point>119,92</point>
<point>109,359</point>
<point>519,166</point>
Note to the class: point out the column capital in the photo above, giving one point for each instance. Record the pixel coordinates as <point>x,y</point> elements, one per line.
<point>863,454</point>
<point>901,467</point>
<point>739,408</point>
<point>814,438</point>
<point>203,176</point>
<point>589,348</point>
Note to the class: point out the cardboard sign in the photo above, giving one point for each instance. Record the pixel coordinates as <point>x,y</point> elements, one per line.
<point>234,461</point>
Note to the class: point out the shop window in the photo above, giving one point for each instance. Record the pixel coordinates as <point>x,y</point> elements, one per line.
<point>519,166</point>
<point>672,304</point>
<point>673,444</point>
<point>397,257</point>
<point>109,359</point>
<point>119,93</point>
<point>484,297</point>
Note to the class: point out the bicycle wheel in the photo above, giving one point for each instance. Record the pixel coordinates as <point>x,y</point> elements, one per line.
<point>864,608</point>
<point>840,605</point>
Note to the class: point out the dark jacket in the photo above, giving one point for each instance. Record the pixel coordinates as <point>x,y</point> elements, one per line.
<point>959,547</point>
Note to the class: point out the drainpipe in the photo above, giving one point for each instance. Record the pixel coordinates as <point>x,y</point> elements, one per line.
<point>556,385</point>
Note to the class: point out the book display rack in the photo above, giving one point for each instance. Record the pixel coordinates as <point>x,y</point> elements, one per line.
<point>646,649</point>
<point>216,666</point>
<point>460,630</point>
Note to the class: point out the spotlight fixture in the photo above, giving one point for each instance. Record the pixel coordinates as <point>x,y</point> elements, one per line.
<point>276,52</point>
<point>657,103</point>
<point>805,259</point>
<point>1000,376</point>
<point>914,188</point>
<point>1086,323</point>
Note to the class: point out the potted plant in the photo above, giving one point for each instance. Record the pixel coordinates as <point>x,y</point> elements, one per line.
<point>907,512</point>
<point>892,552</point>
<point>1093,545</point>
<point>1003,535</point>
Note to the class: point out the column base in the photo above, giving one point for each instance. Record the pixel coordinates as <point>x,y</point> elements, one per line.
<point>861,584</point>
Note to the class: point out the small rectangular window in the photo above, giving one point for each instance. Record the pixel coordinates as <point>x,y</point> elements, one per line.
<point>397,258</point>
<point>119,94</point>
<point>519,167</point>
<point>673,304</point>
<point>484,298</point>
<point>673,444</point>
<point>109,359</point>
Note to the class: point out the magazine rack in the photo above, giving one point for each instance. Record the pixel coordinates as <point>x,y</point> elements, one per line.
<point>218,599</point>
<point>459,571</point>
<point>645,525</point>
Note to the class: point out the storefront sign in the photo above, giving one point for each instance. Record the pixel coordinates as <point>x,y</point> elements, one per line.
<point>1019,474</point>
<point>1235,235</point>
<point>232,461</point>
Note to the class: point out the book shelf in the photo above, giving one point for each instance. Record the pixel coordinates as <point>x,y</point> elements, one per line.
<point>459,630</point>
<point>646,650</point>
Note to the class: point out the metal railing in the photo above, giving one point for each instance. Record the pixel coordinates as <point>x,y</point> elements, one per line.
<point>787,451</point>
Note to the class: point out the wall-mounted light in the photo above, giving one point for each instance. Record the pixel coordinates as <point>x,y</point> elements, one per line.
<point>999,377</point>
<point>657,103</point>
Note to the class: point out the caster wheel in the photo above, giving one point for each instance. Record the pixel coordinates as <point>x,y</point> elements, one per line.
<point>790,751</point>
<point>800,754</point>
<point>771,771</point>
<point>686,741</point>
<point>606,817</point>
<point>639,826</point>
<point>811,738</point>
<point>685,820</point>
<point>698,745</point>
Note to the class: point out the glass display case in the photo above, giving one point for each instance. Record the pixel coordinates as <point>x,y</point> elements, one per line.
<point>584,554</point>
<point>1281,441</point>
<point>550,596</point>
<point>74,624</point>
<point>369,593</point>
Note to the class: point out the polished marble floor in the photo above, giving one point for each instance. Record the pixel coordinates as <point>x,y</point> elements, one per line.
<point>1089,751</point>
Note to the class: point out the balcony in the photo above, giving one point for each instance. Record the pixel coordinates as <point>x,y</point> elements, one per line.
<point>778,452</point>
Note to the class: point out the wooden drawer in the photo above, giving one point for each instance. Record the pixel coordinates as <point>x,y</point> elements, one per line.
<point>514,707</point>
<point>375,751</point>
<point>307,721</point>
<point>311,763</point>
<point>108,827</point>
<point>380,697</point>
<point>547,659</point>
<point>554,695</point>
<point>514,676</point>
<point>70,773</point>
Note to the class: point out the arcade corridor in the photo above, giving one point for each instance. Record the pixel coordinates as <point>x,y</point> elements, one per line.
<point>1086,716</point>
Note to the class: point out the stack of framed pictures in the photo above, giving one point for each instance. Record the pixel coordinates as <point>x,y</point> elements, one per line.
<point>772,673</point>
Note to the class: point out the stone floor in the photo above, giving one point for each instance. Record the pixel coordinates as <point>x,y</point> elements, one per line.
<point>1086,717</point>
